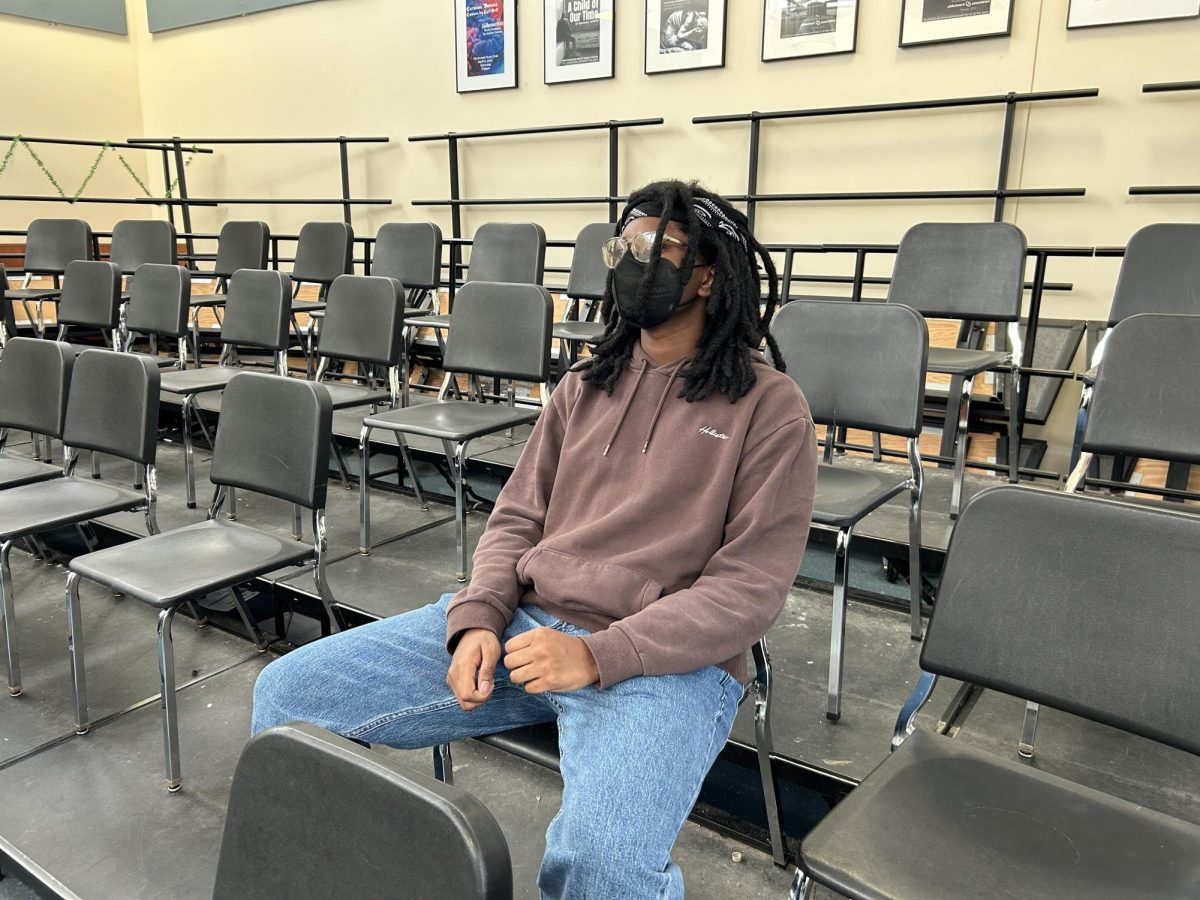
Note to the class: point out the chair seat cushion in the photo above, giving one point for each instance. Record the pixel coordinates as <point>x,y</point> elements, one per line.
<point>304,306</point>
<point>33,294</point>
<point>451,420</point>
<point>197,381</point>
<point>209,300</point>
<point>588,332</point>
<point>958,361</point>
<point>61,501</point>
<point>428,321</point>
<point>845,494</point>
<point>345,396</point>
<point>165,569</point>
<point>939,819</point>
<point>15,471</point>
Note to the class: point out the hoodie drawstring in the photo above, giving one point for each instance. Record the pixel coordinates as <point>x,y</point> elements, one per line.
<point>662,401</point>
<point>625,409</point>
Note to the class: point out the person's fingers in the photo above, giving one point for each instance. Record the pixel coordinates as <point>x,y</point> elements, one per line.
<point>461,675</point>
<point>488,657</point>
<point>519,658</point>
<point>536,686</point>
<point>525,673</point>
<point>522,640</point>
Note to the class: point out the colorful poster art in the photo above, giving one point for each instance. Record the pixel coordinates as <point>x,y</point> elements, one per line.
<point>486,39</point>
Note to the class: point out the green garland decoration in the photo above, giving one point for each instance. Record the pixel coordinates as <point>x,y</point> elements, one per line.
<point>18,140</point>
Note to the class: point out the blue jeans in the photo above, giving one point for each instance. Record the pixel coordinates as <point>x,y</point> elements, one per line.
<point>633,756</point>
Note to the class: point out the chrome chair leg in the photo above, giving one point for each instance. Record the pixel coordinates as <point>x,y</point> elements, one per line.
<point>443,765</point>
<point>201,619</point>
<point>765,746</point>
<point>915,491</point>
<point>189,468</point>
<point>412,470</point>
<point>297,523</point>
<point>75,653</point>
<point>166,680</point>
<point>455,456</point>
<point>837,638</point>
<point>802,886</point>
<point>320,546</point>
<point>8,615</point>
<point>364,491</point>
<point>95,465</point>
<point>960,447</point>
<point>1028,730</point>
<point>1014,426</point>
<point>231,504</point>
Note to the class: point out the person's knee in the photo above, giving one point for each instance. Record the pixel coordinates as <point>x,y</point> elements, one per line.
<point>596,862</point>
<point>278,693</point>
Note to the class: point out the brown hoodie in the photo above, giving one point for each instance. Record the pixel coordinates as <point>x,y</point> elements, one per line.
<point>670,530</point>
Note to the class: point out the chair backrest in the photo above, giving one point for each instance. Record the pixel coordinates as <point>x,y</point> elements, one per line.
<point>112,406</point>
<point>1146,400</point>
<point>241,245</point>
<point>364,320</point>
<point>53,244</point>
<point>258,309</point>
<point>273,438</point>
<point>7,316</point>
<point>1160,273</point>
<point>513,253</point>
<point>139,241</point>
<point>961,270</point>
<point>589,275</point>
<point>861,365</point>
<point>1082,603</point>
<point>323,252</point>
<point>35,377</point>
<point>159,300</point>
<point>502,330</point>
<point>410,252</point>
<point>355,824</point>
<point>91,295</point>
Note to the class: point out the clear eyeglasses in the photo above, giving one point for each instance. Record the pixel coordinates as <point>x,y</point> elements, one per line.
<point>641,245</point>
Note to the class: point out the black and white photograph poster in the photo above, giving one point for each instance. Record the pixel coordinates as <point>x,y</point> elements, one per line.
<point>684,34</point>
<point>485,44</point>
<point>793,29</point>
<point>1090,13</point>
<point>938,21</point>
<point>578,37</point>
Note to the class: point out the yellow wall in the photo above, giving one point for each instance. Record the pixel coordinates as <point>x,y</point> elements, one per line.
<point>61,81</point>
<point>386,67</point>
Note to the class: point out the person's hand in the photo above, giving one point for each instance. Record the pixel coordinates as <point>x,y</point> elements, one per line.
<point>548,660</point>
<point>472,667</point>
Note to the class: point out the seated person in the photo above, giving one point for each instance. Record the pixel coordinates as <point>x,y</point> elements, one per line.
<point>646,540</point>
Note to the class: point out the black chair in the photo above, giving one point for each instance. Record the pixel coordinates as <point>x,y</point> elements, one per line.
<point>240,245</point>
<point>112,408</point>
<point>8,319</point>
<point>273,438</point>
<point>34,380</point>
<point>585,288</point>
<point>50,246</point>
<point>324,251</point>
<point>500,330</point>
<point>333,804</point>
<point>975,273</point>
<point>136,242</point>
<point>861,365</point>
<point>1025,609</point>
<point>411,253</point>
<point>502,252</point>
<point>364,324</point>
<point>159,302</point>
<point>91,298</point>
<point>258,310</point>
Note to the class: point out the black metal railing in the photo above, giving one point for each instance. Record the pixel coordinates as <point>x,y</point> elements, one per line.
<point>1167,190</point>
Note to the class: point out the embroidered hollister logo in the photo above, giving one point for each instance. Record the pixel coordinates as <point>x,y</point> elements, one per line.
<point>712,432</point>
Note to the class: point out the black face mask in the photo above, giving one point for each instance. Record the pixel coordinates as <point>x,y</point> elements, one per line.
<point>661,297</point>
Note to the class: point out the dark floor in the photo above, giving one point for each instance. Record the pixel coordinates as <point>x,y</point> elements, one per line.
<point>91,811</point>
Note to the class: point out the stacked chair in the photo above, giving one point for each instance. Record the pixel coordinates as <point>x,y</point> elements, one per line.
<point>50,246</point>
<point>860,365</point>
<point>273,438</point>
<point>425,840</point>
<point>1025,609</point>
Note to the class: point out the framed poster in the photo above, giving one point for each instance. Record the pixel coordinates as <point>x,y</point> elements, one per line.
<point>938,21</point>
<point>578,39</point>
<point>682,35</point>
<point>1090,13</point>
<point>793,29</point>
<point>485,44</point>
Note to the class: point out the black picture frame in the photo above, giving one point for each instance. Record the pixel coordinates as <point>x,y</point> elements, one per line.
<point>909,44</point>
<point>774,59</point>
<point>612,49</point>
<point>1117,23</point>
<point>657,5</point>
<point>510,14</point>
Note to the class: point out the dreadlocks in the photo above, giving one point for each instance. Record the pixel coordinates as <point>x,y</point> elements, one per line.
<point>734,325</point>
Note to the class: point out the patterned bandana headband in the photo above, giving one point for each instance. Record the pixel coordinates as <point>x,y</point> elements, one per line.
<point>707,213</point>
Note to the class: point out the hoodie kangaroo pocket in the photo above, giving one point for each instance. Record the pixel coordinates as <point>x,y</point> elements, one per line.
<point>573,582</point>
